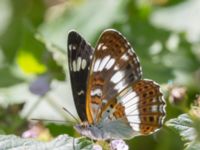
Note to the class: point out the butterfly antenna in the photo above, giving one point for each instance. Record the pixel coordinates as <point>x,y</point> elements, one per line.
<point>65,109</point>
<point>49,120</point>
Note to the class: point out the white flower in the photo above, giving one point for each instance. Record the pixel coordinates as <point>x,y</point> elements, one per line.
<point>118,145</point>
<point>97,147</point>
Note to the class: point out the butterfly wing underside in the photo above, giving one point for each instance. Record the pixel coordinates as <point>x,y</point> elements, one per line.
<point>117,94</point>
<point>79,58</point>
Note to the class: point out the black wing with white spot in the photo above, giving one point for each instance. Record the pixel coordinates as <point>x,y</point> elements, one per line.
<point>79,59</point>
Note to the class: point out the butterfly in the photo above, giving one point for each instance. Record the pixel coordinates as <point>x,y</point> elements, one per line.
<point>111,98</point>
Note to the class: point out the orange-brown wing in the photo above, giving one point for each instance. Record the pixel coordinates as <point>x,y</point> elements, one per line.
<point>115,66</point>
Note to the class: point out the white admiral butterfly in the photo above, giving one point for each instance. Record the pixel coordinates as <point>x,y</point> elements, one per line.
<point>111,98</point>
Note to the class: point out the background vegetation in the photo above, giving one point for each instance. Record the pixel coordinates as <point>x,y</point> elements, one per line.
<point>34,79</point>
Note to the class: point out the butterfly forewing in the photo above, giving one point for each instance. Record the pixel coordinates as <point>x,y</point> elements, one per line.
<point>115,66</point>
<point>79,58</point>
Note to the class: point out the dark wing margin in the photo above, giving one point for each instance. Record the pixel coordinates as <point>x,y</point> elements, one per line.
<point>79,59</point>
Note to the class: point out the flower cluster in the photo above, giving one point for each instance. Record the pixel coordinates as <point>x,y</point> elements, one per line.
<point>114,145</point>
<point>118,145</point>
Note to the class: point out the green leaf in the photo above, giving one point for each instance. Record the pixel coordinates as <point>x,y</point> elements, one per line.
<point>184,126</point>
<point>193,146</point>
<point>15,123</point>
<point>8,78</point>
<point>19,33</point>
<point>79,17</point>
<point>62,142</point>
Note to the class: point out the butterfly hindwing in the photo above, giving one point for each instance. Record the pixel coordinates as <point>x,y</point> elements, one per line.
<point>79,58</point>
<point>140,105</point>
<point>149,112</point>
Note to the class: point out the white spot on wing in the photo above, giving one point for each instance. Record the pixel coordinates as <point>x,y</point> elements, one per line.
<point>133,118</point>
<point>83,64</point>
<point>97,92</point>
<point>73,47</point>
<point>99,46</point>
<point>128,97</point>
<point>103,62</point>
<point>70,47</point>
<point>133,110</point>
<point>135,126</point>
<point>81,92</point>
<point>131,107</point>
<point>104,101</point>
<point>104,47</point>
<point>154,100</point>
<point>130,52</point>
<point>154,108</point>
<point>124,57</point>
<point>78,65</point>
<point>120,86</point>
<point>74,66</point>
<point>96,65</point>
<point>132,102</point>
<point>117,76</point>
<point>116,67</point>
<point>110,63</point>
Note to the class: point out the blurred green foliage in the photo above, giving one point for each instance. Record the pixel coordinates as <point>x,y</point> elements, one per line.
<point>13,123</point>
<point>33,42</point>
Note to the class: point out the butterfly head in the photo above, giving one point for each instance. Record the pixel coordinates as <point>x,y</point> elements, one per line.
<point>89,130</point>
